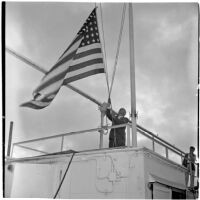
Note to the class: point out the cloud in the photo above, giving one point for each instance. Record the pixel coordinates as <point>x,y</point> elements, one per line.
<point>168,34</point>
<point>13,34</point>
<point>165,51</point>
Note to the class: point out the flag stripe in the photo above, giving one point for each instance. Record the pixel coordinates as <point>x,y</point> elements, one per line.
<point>62,69</point>
<point>85,64</point>
<point>86,58</point>
<point>83,75</point>
<point>78,37</point>
<point>86,53</point>
<point>86,69</point>
<point>56,80</point>
<point>65,59</point>
<point>35,104</point>
<point>57,73</point>
<point>68,56</point>
<point>52,88</point>
<point>88,47</point>
<point>47,98</point>
<point>61,76</point>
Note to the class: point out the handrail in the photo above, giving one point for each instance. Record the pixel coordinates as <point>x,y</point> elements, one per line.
<point>70,133</point>
<point>152,134</point>
<point>31,149</point>
<point>140,129</point>
<point>157,141</point>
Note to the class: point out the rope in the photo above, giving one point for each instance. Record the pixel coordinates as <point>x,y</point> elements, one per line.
<point>64,176</point>
<point>115,66</point>
<point>104,53</point>
<point>104,48</point>
<point>116,59</point>
<point>118,47</point>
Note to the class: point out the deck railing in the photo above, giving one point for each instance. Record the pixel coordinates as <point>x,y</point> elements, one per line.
<point>129,143</point>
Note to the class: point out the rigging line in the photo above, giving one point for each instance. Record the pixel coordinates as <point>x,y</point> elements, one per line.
<point>104,48</point>
<point>118,47</point>
<point>64,176</point>
<point>116,59</point>
<point>104,54</point>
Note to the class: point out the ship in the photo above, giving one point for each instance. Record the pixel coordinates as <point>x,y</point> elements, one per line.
<point>128,172</point>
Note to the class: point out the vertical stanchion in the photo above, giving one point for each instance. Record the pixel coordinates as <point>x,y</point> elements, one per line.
<point>10,139</point>
<point>128,135</point>
<point>153,144</point>
<point>101,132</point>
<point>166,150</point>
<point>62,141</point>
<point>12,150</point>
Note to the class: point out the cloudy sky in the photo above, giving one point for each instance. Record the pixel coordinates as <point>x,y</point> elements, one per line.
<point>165,37</point>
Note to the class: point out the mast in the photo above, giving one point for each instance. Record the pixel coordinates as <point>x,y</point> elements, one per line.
<point>132,77</point>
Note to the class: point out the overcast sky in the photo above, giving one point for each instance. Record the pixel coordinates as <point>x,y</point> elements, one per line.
<point>165,37</point>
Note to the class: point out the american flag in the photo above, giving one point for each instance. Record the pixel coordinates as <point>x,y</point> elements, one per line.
<point>81,59</point>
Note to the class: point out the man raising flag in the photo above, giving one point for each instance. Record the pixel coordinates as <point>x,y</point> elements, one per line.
<point>81,59</point>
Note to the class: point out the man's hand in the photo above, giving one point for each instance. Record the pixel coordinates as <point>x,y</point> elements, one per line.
<point>104,107</point>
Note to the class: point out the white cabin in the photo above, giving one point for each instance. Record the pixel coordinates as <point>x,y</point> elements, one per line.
<point>123,172</point>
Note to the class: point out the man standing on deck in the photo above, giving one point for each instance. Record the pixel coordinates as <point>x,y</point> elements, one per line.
<point>189,163</point>
<point>117,136</point>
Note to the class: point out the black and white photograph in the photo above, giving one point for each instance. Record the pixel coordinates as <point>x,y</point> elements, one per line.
<point>100,100</point>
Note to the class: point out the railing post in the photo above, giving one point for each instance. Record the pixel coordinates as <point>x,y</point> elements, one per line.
<point>128,135</point>
<point>12,150</point>
<point>153,144</point>
<point>166,150</point>
<point>134,136</point>
<point>181,158</point>
<point>10,139</point>
<point>62,142</point>
<point>101,132</point>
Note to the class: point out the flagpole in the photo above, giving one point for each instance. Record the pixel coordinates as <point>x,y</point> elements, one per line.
<point>132,77</point>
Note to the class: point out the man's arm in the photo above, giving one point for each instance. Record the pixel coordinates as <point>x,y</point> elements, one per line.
<point>110,115</point>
